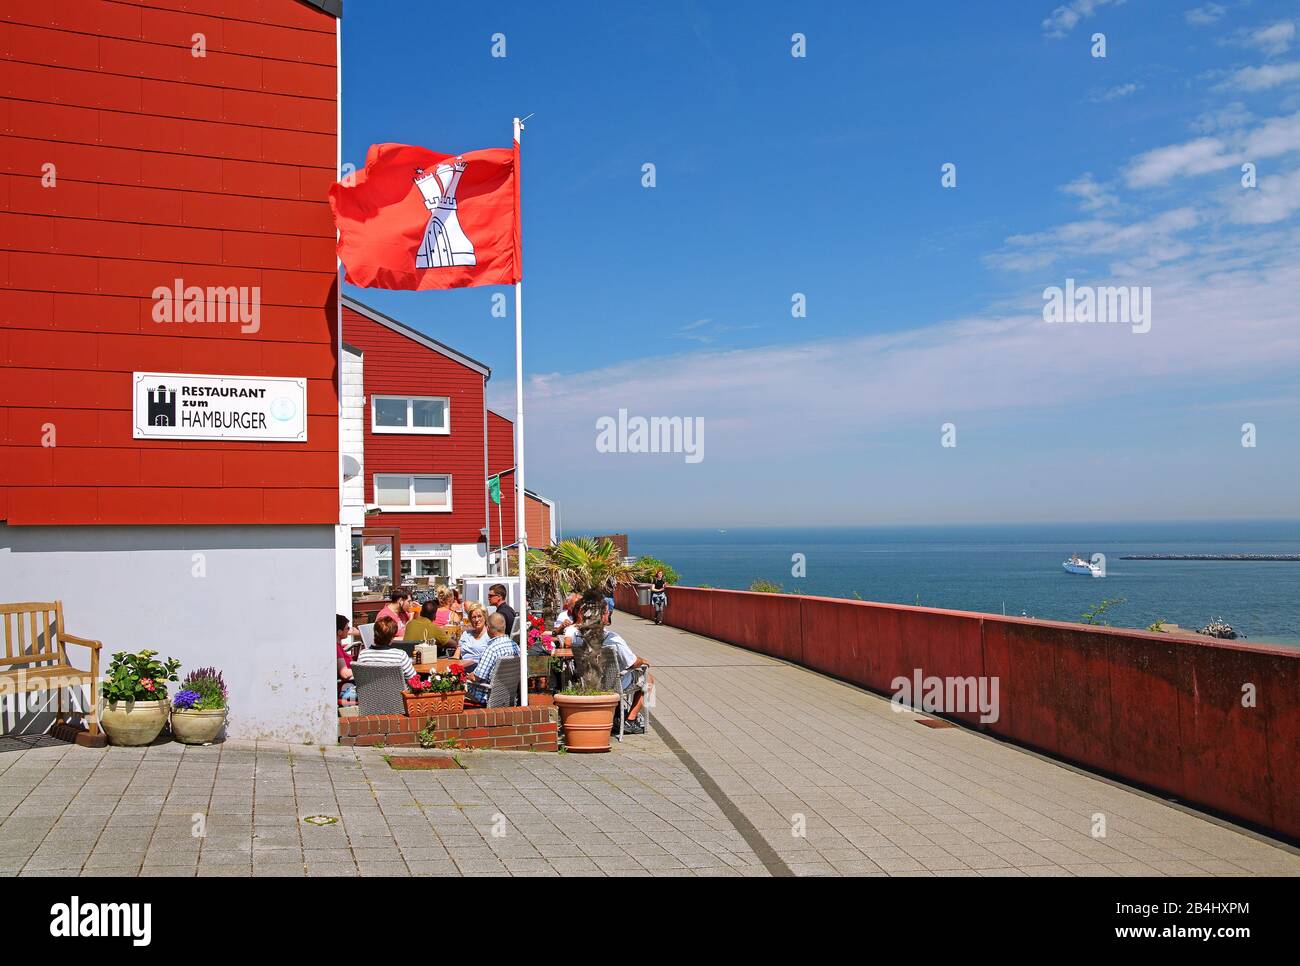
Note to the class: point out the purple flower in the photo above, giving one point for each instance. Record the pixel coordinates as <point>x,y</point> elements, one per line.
<point>186,700</point>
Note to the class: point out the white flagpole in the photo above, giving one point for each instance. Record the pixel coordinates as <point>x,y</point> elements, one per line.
<point>521,537</point>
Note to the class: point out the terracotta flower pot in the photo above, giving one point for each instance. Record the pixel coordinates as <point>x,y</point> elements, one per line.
<point>587,720</point>
<point>197,727</point>
<point>446,702</point>
<point>133,723</point>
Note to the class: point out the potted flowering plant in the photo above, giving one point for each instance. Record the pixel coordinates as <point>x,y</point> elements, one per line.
<point>540,642</point>
<point>443,692</point>
<point>199,708</point>
<point>133,707</point>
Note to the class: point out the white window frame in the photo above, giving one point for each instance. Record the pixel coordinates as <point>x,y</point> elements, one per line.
<point>416,561</point>
<point>408,428</point>
<point>410,493</point>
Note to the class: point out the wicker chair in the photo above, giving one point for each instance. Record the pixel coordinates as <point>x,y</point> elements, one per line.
<point>612,681</point>
<point>640,682</point>
<point>505,685</point>
<point>379,689</point>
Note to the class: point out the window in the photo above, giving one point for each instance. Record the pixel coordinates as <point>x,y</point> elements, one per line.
<point>431,566</point>
<point>410,414</point>
<point>428,494</point>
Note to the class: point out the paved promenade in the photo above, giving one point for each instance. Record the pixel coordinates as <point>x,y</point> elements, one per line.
<point>755,768</point>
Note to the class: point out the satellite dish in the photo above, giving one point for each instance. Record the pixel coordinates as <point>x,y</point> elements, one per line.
<point>351,467</point>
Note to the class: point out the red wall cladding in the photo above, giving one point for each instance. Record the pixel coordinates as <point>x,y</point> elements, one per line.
<point>538,522</point>
<point>167,165</point>
<point>501,457</point>
<point>396,365</point>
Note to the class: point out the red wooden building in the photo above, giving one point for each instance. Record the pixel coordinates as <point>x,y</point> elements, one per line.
<point>169,335</point>
<point>430,444</point>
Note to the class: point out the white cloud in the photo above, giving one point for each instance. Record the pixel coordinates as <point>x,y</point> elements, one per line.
<point>1230,117</point>
<point>819,407</point>
<point>1276,199</point>
<point>1273,40</point>
<point>1261,78</point>
<point>1179,160</point>
<point>1092,196</point>
<point>1205,14</point>
<point>1115,93</point>
<point>1276,136</point>
<point>1066,17</point>
<point>1272,138</point>
<point>707,330</point>
<point>1139,245</point>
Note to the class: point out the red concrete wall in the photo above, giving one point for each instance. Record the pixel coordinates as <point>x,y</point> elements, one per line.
<point>1159,711</point>
<point>210,169</point>
<point>398,366</point>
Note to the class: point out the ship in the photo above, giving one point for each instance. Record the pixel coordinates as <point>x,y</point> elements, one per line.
<point>1077,565</point>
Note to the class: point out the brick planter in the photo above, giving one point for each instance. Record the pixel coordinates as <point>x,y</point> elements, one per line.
<point>515,729</point>
<point>434,703</point>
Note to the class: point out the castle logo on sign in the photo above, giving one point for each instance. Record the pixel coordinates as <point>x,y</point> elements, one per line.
<point>170,405</point>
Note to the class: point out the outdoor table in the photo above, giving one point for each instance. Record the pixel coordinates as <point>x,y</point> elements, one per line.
<point>442,665</point>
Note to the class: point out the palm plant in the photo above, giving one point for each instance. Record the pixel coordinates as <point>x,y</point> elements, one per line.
<point>592,660</point>
<point>574,566</point>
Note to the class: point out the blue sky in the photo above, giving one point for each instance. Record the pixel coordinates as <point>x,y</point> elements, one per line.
<point>820,175</point>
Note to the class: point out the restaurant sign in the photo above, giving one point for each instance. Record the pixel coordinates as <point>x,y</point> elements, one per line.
<point>171,405</point>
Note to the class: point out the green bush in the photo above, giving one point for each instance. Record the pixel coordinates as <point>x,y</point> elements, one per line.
<point>761,586</point>
<point>645,568</point>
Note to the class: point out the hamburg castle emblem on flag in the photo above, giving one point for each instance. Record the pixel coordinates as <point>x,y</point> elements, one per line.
<point>445,243</point>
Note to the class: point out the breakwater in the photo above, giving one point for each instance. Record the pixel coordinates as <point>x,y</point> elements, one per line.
<point>1253,557</point>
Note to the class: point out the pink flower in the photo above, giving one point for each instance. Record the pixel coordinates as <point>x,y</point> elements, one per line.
<point>147,684</point>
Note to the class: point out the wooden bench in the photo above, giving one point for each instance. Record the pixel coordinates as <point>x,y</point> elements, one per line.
<point>36,659</point>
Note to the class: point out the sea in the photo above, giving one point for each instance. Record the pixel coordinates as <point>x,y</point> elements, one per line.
<point>1014,569</point>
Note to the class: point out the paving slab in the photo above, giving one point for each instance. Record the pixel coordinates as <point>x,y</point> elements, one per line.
<point>752,767</point>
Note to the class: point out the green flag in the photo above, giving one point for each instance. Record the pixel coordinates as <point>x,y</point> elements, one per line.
<point>494,488</point>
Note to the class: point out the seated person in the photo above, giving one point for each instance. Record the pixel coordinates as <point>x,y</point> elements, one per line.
<point>443,609</point>
<point>572,632</point>
<point>475,637</point>
<point>398,608</point>
<point>421,629</point>
<point>478,685</point>
<point>568,616</point>
<point>383,654</point>
<point>347,687</point>
<point>609,601</point>
<point>626,661</point>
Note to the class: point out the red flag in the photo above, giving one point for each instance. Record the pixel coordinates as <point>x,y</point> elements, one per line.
<point>420,220</point>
